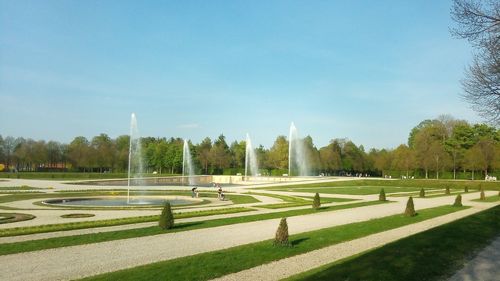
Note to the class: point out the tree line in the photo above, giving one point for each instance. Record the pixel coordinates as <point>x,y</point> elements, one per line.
<point>440,147</point>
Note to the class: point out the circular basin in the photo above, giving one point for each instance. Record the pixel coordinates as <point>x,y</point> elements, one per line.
<point>121,201</point>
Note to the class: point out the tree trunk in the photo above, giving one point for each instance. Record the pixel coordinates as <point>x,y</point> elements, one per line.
<point>472,174</point>
<point>426,174</point>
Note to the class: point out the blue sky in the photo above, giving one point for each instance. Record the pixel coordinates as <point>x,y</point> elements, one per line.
<point>366,70</point>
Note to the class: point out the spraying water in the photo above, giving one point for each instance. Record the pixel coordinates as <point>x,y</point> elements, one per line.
<point>135,167</point>
<point>297,161</point>
<point>187,164</point>
<point>251,166</point>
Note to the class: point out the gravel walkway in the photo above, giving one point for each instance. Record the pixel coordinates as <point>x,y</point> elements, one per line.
<point>291,266</point>
<point>86,260</point>
<point>485,266</point>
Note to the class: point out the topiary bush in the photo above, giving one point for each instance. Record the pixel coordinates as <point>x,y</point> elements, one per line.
<point>466,188</point>
<point>166,217</point>
<point>422,193</point>
<point>482,196</point>
<point>281,238</point>
<point>381,196</point>
<point>410,208</point>
<point>316,202</point>
<point>458,201</point>
<point>447,191</point>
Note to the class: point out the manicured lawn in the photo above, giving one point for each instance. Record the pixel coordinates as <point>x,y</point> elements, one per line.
<point>112,222</point>
<point>490,199</point>
<point>418,183</point>
<point>69,175</point>
<point>351,190</point>
<point>432,255</point>
<point>20,188</point>
<point>18,247</point>
<point>218,263</point>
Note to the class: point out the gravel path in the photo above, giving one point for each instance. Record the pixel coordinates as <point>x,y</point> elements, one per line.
<point>291,266</point>
<point>86,260</point>
<point>485,266</point>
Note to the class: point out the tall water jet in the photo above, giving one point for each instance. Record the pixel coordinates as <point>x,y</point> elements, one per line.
<point>251,166</point>
<point>297,160</point>
<point>187,165</point>
<point>135,167</point>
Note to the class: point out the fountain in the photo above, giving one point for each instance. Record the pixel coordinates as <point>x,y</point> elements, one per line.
<point>187,164</point>
<point>251,166</point>
<point>297,161</point>
<point>135,167</point>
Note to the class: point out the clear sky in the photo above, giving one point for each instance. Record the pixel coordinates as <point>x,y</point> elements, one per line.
<point>366,70</point>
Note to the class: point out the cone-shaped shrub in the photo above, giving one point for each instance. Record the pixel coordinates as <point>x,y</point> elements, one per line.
<point>499,193</point>
<point>466,188</point>
<point>447,191</point>
<point>410,208</point>
<point>458,201</point>
<point>422,192</point>
<point>316,201</point>
<point>281,238</point>
<point>381,196</point>
<point>166,217</point>
<point>482,196</point>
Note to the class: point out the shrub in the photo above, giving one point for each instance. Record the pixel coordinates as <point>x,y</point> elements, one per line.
<point>482,196</point>
<point>281,238</point>
<point>410,208</point>
<point>447,191</point>
<point>316,201</point>
<point>166,217</point>
<point>422,192</point>
<point>458,201</point>
<point>381,196</point>
<point>466,188</point>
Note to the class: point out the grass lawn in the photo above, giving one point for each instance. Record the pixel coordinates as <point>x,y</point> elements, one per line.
<point>10,248</point>
<point>432,255</point>
<point>419,183</point>
<point>210,265</point>
<point>20,188</point>
<point>71,175</point>
<point>490,199</point>
<point>351,190</point>
<point>112,222</point>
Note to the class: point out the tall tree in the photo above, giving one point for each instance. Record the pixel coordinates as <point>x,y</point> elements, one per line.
<point>278,154</point>
<point>479,23</point>
<point>203,153</point>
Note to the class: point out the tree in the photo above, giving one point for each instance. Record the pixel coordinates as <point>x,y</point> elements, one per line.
<point>410,208</point>
<point>220,154</point>
<point>204,153</point>
<point>422,193</point>
<point>478,22</point>
<point>458,201</point>
<point>381,196</point>
<point>404,159</point>
<point>330,157</point>
<point>278,154</point>
<point>78,152</point>
<point>281,237</point>
<point>474,159</point>
<point>103,147</point>
<point>166,217</point>
<point>316,202</point>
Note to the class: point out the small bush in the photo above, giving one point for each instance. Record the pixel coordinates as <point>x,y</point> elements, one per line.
<point>410,208</point>
<point>447,191</point>
<point>458,201</point>
<point>422,193</point>
<point>466,188</point>
<point>482,196</point>
<point>381,196</point>
<point>316,201</point>
<point>281,238</point>
<point>166,217</point>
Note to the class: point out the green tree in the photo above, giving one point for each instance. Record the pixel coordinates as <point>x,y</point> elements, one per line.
<point>203,153</point>
<point>410,208</point>
<point>278,154</point>
<point>220,154</point>
<point>166,217</point>
<point>404,159</point>
<point>281,237</point>
<point>316,202</point>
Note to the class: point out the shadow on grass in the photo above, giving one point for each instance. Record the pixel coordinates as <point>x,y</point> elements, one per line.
<point>298,241</point>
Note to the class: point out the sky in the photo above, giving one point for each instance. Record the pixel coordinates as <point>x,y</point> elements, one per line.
<point>365,70</point>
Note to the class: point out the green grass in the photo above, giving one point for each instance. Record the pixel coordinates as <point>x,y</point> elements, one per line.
<point>432,255</point>
<point>76,215</point>
<point>70,175</point>
<point>112,222</point>
<point>350,190</point>
<point>295,201</point>
<point>14,217</point>
<point>20,188</point>
<point>218,263</point>
<point>418,183</point>
<point>489,199</point>
<point>35,245</point>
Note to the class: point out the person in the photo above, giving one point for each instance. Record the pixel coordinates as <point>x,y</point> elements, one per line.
<point>197,193</point>
<point>193,192</point>
<point>219,193</point>
<point>222,196</point>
